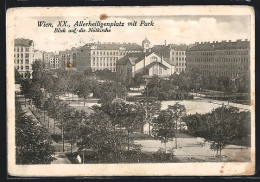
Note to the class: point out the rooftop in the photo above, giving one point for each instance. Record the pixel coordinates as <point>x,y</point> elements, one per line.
<point>215,45</point>
<point>23,42</point>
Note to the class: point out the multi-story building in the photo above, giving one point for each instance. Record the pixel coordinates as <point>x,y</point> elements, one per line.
<point>38,55</point>
<point>24,56</point>
<point>68,59</point>
<point>97,56</point>
<point>176,53</point>
<point>231,59</point>
<point>105,56</point>
<point>51,60</point>
<point>178,57</point>
<point>162,50</point>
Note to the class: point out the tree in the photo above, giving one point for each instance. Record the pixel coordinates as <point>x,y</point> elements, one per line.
<point>72,126</point>
<point>222,127</point>
<point>232,90</point>
<point>177,112</point>
<point>33,142</point>
<point>37,77</point>
<point>138,80</point>
<point>17,76</point>
<point>163,127</point>
<point>150,107</point>
<point>84,89</point>
<point>26,89</point>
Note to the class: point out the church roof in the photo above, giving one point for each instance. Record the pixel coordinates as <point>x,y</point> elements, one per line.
<point>144,41</point>
<point>133,58</point>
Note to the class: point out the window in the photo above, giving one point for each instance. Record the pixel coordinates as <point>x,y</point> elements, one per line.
<point>26,55</point>
<point>26,67</point>
<point>154,59</point>
<point>21,67</point>
<point>27,49</point>
<point>21,49</point>
<point>21,61</point>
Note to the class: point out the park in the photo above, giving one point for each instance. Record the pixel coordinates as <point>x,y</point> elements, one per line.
<point>96,115</point>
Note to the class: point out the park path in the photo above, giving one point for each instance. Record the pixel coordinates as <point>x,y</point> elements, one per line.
<point>195,148</point>
<point>60,157</point>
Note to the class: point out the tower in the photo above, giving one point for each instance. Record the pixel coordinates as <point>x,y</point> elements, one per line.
<point>146,45</point>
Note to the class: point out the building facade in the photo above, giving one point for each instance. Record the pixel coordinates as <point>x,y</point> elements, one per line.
<point>226,58</point>
<point>51,61</point>
<point>38,55</point>
<point>96,56</point>
<point>147,64</point>
<point>178,57</point>
<point>24,56</point>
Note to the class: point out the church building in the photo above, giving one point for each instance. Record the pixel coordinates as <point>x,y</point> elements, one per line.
<point>147,63</point>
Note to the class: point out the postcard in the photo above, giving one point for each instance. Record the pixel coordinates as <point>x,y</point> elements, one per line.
<point>131,91</point>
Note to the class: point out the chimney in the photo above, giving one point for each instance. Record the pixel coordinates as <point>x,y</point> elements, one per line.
<point>165,42</point>
<point>239,40</point>
<point>229,40</point>
<point>216,41</point>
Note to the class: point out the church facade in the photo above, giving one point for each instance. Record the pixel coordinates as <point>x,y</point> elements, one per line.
<point>147,63</point>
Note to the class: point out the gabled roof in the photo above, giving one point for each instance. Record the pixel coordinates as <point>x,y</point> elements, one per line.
<point>23,42</point>
<point>168,60</point>
<point>133,58</point>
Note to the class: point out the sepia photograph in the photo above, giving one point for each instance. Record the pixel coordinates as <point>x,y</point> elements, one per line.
<point>131,91</point>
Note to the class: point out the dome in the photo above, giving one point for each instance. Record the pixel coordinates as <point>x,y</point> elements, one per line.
<point>145,41</point>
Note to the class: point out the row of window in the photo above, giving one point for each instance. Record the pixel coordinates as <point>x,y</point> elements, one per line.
<point>26,49</point>
<point>226,74</point>
<point>180,59</point>
<point>231,67</point>
<point>108,53</point>
<point>178,53</point>
<point>21,61</point>
<point>21,67</point>
<point>100,58</point>
<point>180,69</point>
<point>26,55</point>
<point>157,70</point>
<point>234,60</point>
<point>25,75</point>
<point>109,63</point>
<point>237,52</point>
<point>111,69</point>
<point>181,64</point>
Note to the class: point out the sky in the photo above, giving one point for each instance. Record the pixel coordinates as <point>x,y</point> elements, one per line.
<point>173,29</point>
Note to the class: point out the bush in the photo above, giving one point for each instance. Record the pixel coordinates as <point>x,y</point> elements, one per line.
<point>56,138</point>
